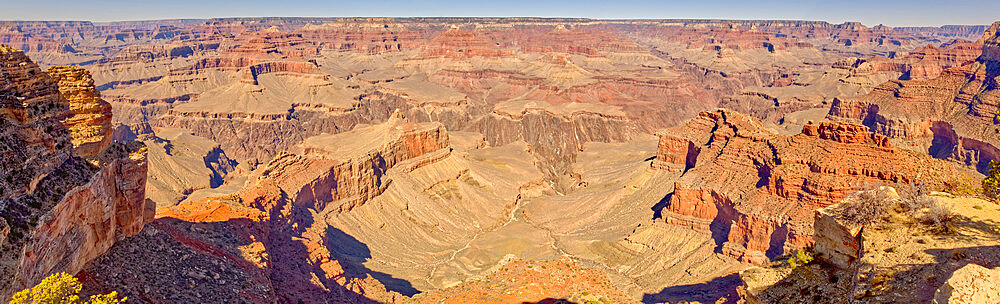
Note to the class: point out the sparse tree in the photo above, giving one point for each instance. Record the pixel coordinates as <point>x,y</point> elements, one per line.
<point>866,206</point>
<point>991,184</point>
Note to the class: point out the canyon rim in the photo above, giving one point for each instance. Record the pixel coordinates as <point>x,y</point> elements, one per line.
<point>429,159</point>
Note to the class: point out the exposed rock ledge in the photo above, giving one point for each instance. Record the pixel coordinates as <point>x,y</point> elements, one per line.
<point>755,191</point>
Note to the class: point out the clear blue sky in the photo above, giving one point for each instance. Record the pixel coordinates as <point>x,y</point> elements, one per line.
<point>869,12</point>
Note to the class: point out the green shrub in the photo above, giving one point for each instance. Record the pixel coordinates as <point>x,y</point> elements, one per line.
<point>991,184</point>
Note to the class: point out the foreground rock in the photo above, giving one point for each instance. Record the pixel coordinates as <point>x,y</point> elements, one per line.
<point>899,259</point>
<point>60,211</point>
<point>970,284</point>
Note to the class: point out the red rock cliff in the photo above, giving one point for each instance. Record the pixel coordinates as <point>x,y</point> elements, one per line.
<point>59,211</point>
<point>91,217</point>
<point>755,191</point>
<point>949,116</point>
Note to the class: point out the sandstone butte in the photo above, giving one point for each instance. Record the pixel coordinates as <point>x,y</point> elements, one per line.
<point>950,116</point>
<point>90,125</point>
<point>755,191</point>
<point>60,211</point>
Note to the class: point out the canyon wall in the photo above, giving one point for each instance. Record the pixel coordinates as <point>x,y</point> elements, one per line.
<point>59,210</point>
<point>275,239</point>
<point>950,116</point>
<point>754,191</point>
<point>90,125</point>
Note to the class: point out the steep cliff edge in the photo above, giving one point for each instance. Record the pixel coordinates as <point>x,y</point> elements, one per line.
<point>754,191</point>
<point>90,126</point>
<point>59,210</point>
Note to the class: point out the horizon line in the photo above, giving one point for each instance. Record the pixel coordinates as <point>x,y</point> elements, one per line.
<point>481,17</point>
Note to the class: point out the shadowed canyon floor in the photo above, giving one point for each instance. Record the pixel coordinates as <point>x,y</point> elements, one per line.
<point>457,160</point>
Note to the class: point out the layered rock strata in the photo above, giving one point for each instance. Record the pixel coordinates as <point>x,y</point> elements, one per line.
<point>275,241</point>
<point>90,125</point>
<point>951,116</point>
<point>59,210</point>
<point>755,191</point>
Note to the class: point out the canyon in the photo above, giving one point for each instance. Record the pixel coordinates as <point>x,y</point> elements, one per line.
<point>457,160</point>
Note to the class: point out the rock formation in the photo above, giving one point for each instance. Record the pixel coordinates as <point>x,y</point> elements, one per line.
<point>837,241</point>
<point>970,284</point>
<point>59,210</point>
<point>181,163</point>
<point>327,173</point>
<point>282,173</point>
<point>91,217</point>
<point>365,35</point>
<point>950,116</point>
<point>898,259</point>
<point>755,191</point>
<point>90,125</point>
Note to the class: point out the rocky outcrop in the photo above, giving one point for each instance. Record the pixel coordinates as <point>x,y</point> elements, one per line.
<point>339,169</point>
<point>675,153</point>
<point>90,125</point>
<point>91,217</point>
<point>899,258</point>
<point>755,191</point>
<point>950,116</point>
<point>970,284</point>
<point>59,210</point>
<point>836,241</point>
<point>34,139</point>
